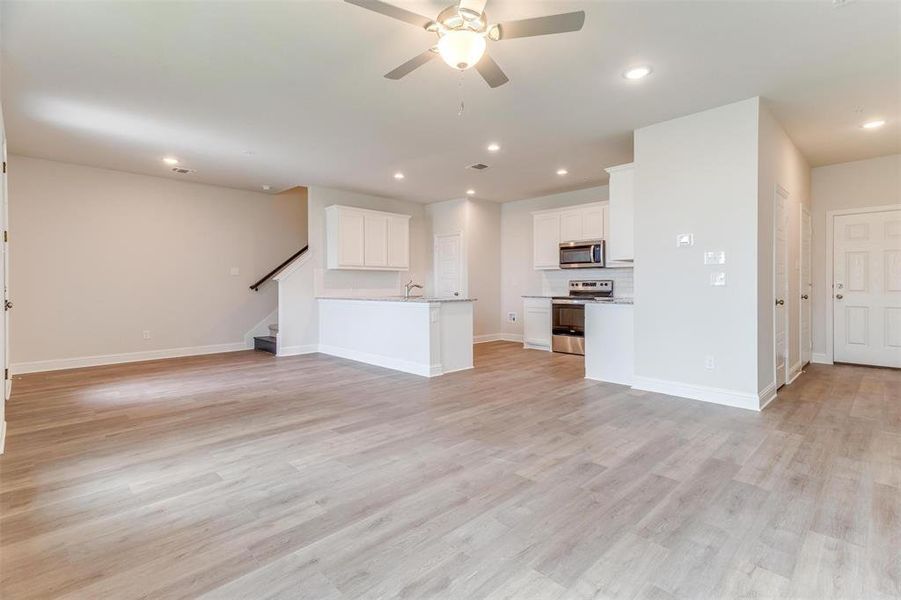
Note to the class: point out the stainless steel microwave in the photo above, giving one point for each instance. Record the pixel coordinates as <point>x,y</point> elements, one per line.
<point>588,254</point>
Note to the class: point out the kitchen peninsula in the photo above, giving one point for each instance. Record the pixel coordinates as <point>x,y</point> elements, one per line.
<point>423,336</point>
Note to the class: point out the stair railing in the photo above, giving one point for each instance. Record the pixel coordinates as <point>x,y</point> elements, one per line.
<point>256,287</point>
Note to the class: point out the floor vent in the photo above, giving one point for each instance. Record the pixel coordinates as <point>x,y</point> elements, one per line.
<point>478,167</point>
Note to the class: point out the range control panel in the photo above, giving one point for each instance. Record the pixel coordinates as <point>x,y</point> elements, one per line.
<point>594,286</point>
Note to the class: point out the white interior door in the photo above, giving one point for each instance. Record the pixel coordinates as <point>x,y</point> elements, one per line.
<point>449,279</point>
<point>806,286</point>
<point>866,288</point>
<point>780,316</point>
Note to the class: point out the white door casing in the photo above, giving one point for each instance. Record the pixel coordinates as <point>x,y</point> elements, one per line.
<point>866,288</point>
<point>805,286</point>
<point>780,285</point>
<point>4,280</point>
<point>450,277</point>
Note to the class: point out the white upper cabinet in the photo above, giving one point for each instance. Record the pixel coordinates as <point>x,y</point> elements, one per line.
<point>546,240</point>
<point>364,239</point>
<point>596,221</point>
<point>399,241</point>
<point>584,222</point>
<point>620,244</point>
<point>375,240</point>
<point>571,225</point>
<point>350,239</point>
<point>593,219</point>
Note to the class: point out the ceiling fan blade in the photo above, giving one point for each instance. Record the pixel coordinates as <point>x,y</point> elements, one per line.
<point>542,25</point>
<point>412,64</point>
<point>490,72</point>
<point>476,6</point>
<point>395,12</point>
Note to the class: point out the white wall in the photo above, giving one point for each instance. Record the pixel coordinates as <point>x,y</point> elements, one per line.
<point>859,184</point>
<point>698,174</point>
<point>780,163</point>
<point>480,223</point>
<point>298,314</point>
<point>518,275</point>
<point>99,256</point>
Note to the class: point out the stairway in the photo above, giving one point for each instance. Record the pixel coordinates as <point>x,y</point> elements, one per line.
<point>266,343</point>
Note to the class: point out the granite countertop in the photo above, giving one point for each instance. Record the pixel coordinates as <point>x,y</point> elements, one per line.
<point>410,300</point>
<point>616,300</point>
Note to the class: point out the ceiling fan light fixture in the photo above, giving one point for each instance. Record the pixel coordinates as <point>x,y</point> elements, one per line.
<point>462,49</point>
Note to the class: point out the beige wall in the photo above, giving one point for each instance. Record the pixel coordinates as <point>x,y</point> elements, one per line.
<point>97,257</point>
<point>859,184</point>
<point>698,174</point>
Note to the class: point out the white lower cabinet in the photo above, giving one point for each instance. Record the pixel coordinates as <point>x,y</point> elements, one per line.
<point>366,240</point>
<point>536,323</point>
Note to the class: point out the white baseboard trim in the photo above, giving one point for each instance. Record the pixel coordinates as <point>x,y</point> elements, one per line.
<point>496,337</point>
<point>297,350</point>
<point>39,366</point>
<point>383,361</point>
<point>794,372</point>
<point>2,437</point>
<point>749,401</point>
<point>820,359</point>
<point>767,395</point>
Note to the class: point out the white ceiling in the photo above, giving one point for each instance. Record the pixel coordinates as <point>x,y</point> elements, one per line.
<point>300,86</point>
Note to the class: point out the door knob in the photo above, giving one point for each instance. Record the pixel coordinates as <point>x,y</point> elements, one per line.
<point>803,296</point>
<point>838,296</point>
<point>8,305</point>
<point>780,302</point>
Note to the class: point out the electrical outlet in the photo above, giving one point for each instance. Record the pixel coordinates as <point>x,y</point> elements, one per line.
<point>709,363</point>
<point>146,334</point>
<point>235,271</point>
<point>716,257</point>
<point>511,316</point>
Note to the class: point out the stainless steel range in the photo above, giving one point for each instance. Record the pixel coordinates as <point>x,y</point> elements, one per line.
<point>569,313</point>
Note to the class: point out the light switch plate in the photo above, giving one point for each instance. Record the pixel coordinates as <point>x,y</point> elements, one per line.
<point>684,240</point>
<point>715,257</point>
<point>718,278</point>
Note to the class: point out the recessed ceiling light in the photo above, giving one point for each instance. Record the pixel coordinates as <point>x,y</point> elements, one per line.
<point>471,192</point>
<point>562,171</point>
<point>874,124</point>
<point>637,72</point>
<point>398,175</point>
<point>492,147</point>
<point>170,160</point>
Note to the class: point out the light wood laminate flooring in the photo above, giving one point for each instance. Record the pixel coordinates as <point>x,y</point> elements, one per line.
<point>245,476</point>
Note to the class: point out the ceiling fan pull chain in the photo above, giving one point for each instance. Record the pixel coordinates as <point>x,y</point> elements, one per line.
<point>460,88</point>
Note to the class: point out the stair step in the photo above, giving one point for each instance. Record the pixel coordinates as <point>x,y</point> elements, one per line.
<point>266,343</point>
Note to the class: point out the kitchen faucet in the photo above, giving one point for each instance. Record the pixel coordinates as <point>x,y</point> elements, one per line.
<point>408,287</point>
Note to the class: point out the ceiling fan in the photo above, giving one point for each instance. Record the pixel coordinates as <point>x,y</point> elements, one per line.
<point>463,33</point>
